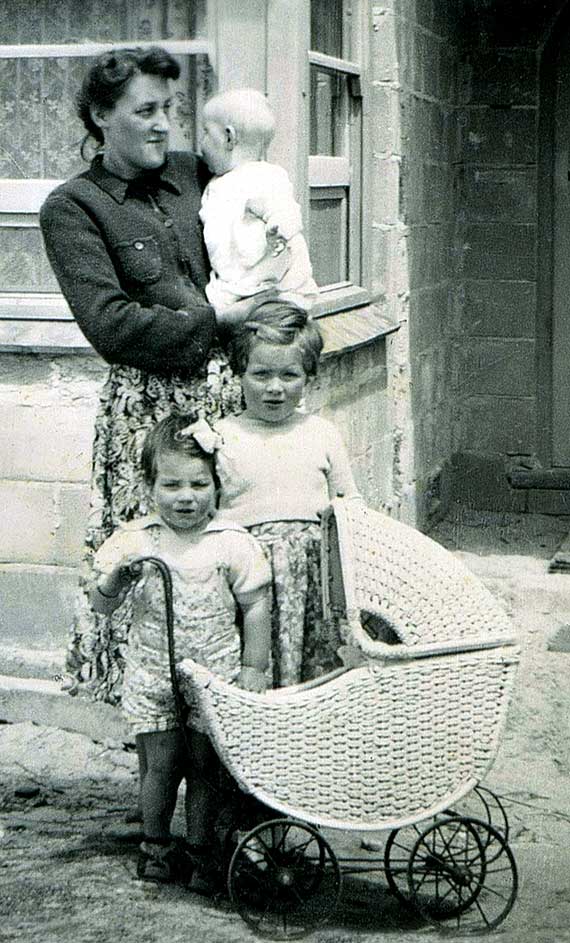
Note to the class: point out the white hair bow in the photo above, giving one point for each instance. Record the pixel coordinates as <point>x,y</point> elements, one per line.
<point>202,433</point>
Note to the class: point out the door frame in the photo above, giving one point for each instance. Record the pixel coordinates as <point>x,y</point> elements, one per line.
<point>548,53</point>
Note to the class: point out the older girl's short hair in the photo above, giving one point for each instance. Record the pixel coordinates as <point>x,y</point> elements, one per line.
<point>277,322</point>
<point>106,80</point>
<point>165,437</point>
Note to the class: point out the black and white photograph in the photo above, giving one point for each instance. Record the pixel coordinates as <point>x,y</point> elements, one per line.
<point>284,471</point>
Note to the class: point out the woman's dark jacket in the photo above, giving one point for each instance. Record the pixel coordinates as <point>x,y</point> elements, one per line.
<point>131,263</point>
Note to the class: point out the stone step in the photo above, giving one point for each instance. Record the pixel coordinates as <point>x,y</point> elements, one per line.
<point>45,663</point>
<point>42,701</point>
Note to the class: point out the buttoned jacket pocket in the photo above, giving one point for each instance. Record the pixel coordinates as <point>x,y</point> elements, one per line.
<point>139,259</point>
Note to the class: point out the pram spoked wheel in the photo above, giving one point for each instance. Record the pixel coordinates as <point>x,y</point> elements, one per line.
<point>480,804</point>
<point>451,881</point>
<point>284,879</point>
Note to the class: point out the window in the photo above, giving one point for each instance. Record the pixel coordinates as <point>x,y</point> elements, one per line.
<point>43,47</point>
<point>335,152</point>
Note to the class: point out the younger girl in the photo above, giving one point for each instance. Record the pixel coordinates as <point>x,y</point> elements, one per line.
<point>215,564</point>
<point>278,468</point>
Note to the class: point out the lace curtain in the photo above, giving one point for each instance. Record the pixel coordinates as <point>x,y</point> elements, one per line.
<point>41,133</point>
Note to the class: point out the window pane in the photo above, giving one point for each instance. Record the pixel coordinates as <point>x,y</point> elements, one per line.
<point>328,239</point>
<point>331,27</point>
<point>23,263</point>
<point>326,26</point>
<point>114,21</point>
<point>329,112</point>
<point>37,96</point>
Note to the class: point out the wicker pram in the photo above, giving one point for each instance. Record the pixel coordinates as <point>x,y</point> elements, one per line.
<point>407,731</point>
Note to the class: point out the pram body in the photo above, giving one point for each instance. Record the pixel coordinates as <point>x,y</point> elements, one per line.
<point>395,740</point>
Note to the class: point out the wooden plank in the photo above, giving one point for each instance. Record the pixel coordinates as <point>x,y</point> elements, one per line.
<point>560,562</point>
<point>349,330</point>
<point>546,478</point>
<point>181,47</point>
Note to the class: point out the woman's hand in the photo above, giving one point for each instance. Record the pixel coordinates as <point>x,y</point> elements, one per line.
<point>233,317</point>
<point>252,679</point>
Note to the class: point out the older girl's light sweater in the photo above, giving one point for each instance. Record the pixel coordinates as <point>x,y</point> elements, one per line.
<point>280,472</point>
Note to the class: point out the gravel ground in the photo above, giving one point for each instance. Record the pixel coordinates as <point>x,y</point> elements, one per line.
<point>67,859</point>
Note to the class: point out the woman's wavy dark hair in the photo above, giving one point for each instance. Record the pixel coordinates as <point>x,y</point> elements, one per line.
<point>105,82</point>
<point>277,322</point>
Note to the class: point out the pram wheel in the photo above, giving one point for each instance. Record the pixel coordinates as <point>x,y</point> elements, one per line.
<point>451,879</point>
<point>284,879</point>
<point>482,803</point>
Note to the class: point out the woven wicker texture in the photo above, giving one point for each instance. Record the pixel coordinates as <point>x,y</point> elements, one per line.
<point>389,569</point>
<point>373,748</point>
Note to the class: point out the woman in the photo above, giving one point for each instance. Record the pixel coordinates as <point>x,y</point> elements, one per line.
<point>125,243</point>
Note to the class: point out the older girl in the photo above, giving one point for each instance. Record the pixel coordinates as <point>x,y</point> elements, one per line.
<point>279,467</point>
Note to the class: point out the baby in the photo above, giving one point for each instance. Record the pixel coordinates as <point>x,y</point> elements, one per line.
<point>252,224</point>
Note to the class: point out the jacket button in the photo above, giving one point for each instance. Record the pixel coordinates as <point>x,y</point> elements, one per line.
<point>139,245</point>
<point>168,223</point>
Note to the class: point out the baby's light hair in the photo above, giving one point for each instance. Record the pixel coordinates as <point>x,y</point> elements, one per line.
<point>282,323</point>
<point>247,111</point>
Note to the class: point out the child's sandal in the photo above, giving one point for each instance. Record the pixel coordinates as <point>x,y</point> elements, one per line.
<point>156,862</point>
<point>206,877</point>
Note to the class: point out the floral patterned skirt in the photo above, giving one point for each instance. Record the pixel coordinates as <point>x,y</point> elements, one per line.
<point>131,403</point>
<point>304,644</point>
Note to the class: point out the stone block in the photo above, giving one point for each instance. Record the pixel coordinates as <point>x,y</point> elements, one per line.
<point>384,126</point>
<point>498,367</point>
<point>548,501</point>
<point>491,136</point>
<point>426,76</point>
<point>477,482</point>
<point>448,65</point>
<point>29,521</point>
<point>425,13</point>
<point>499,308</point>
<point>384,48</point>
<point>438,194</point>
<point>42,702</point>
<point>386,199</point>
<point>73,507</point>
<point>37,603</point>
<point>500,250</point>
<point>489,194</point>
<point>428,321</point>
<point>430,255</point>
<point>497,425</point>
<point>406,52</point>
<point>45,444</point>
<point>502,77</point>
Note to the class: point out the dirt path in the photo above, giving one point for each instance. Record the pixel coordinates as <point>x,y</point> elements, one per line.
<point>67,861</point>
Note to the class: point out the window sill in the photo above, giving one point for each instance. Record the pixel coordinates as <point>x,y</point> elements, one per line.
<point>45,325</point>
<point>344,331</point>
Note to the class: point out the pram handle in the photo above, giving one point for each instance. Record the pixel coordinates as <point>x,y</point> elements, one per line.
<point>374,648</point>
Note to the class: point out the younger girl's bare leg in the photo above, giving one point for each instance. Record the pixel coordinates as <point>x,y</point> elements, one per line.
<point>201,790</point>
<point>165,757</point>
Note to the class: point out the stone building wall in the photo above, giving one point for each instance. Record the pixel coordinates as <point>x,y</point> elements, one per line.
<point>47,409</point>
<point>496,293</point>
<point>414,65</point>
